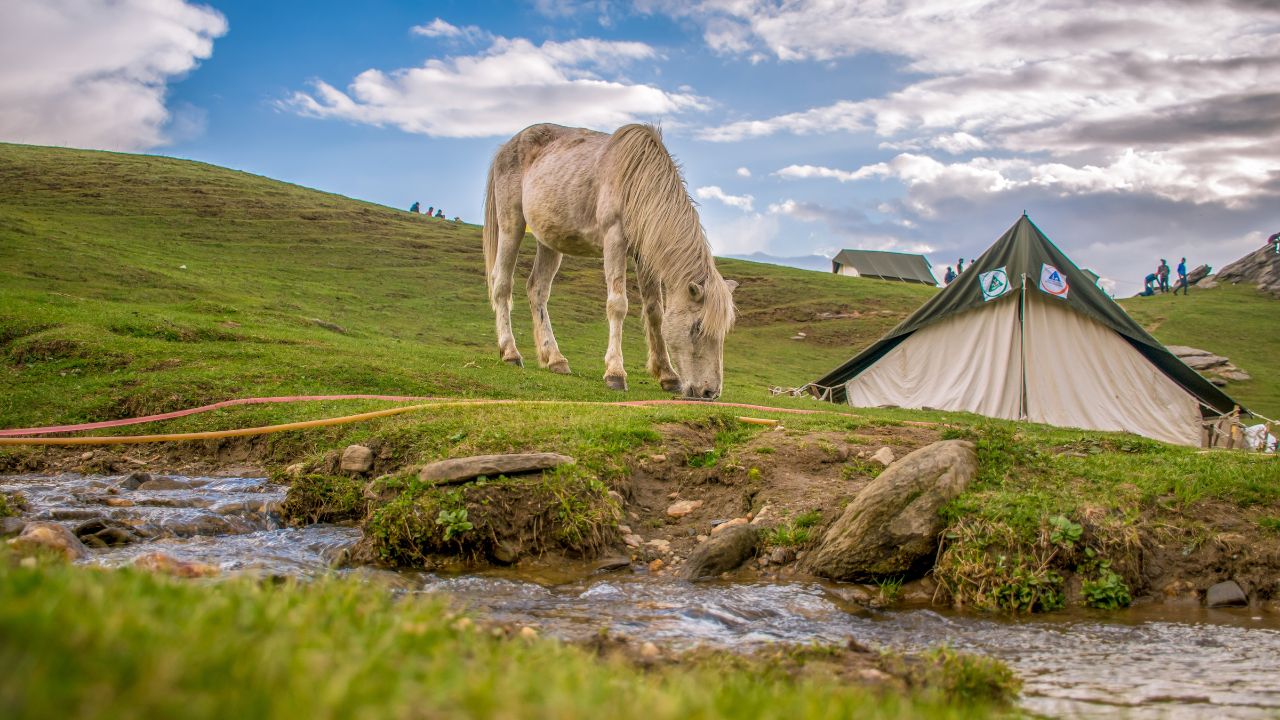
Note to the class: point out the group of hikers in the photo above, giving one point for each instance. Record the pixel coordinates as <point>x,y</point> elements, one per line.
<point>432,211</point>
<point>1159,280</point>
<point>953,274</point>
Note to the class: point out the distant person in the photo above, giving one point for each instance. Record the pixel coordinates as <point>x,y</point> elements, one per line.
<point>431,210</point>
<point>1183,285</point>
<point>960,266</point>
<point>1163,272</point>
<point>440,213</point>
<point>1275,240</point>
<point>949,277</point>
<point>1149,288</point>
<point>456,218</point>
<point>414,207</point>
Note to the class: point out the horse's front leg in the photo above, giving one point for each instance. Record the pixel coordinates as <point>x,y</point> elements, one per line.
<point>615,278</point>
<point>500,282</point>
<point>545,265</point>
<point>659,364</point>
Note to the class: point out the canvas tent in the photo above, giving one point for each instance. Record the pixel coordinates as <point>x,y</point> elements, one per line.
<point>1024,334</point>
<point>907,267</point>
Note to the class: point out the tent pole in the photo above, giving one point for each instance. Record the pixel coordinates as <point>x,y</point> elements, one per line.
<point>1022,348</point>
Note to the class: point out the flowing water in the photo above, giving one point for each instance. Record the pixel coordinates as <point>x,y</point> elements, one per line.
<point>1150,662</point>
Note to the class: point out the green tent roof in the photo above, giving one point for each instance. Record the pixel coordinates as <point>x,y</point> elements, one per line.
<point>1021,255</point>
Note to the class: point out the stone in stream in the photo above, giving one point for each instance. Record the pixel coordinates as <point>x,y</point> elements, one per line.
<point>164,483</point>
<point>48,537</point>
<point>722,553</point>
<point>456,470</point>
<point>158,562</point>
<point>134,480</point>
<point>893,524</point>
<point>1225,594</point>
<point>104,532</point>
<point>10,526</point>
<point>357,459</point>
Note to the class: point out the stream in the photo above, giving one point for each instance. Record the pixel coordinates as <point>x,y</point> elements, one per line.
<point>1152,661</point>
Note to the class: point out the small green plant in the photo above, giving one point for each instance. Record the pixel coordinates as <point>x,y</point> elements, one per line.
<point>1065,532</point>
<point>795,533</point>
<point>1026,587</point>
<point>1270,523</point>
<point>10,505</point>
<point>764,450</point>
<point>454,522</point>
<point>704,459</point>
<point>889,589</point>
<point>753,474</point>
<point>1106,590</point>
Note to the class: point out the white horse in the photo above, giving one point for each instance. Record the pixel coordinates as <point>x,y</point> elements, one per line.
<point>615,196</point>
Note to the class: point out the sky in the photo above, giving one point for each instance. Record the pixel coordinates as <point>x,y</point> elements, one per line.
<point>1129,131</point>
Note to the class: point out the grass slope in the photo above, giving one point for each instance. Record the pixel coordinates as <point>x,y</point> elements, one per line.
<point>133,284</point>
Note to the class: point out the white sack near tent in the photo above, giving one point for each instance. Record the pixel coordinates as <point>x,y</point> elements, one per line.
<point>1025,335</point>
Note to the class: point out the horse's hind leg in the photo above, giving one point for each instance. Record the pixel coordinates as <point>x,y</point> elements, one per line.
<point>546,263</point>
<point>510,233</point>
<point>659,364</point>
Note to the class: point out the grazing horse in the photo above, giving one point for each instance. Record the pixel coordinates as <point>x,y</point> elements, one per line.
<point>583,192</point>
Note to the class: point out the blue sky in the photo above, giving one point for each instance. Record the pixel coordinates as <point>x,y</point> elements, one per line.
<point>1128,130</point>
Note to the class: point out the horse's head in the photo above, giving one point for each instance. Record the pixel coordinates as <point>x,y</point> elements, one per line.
<point>695,320</point>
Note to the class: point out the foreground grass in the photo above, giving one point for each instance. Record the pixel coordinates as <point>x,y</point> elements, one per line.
<point>81,643</point>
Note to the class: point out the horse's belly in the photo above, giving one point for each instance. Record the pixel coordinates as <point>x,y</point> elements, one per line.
<point>559,199</point>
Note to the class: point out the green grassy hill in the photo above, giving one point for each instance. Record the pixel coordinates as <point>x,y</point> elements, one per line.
<point>134,284</point>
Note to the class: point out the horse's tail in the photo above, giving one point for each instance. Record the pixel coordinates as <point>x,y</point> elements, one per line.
<point>490,232</point>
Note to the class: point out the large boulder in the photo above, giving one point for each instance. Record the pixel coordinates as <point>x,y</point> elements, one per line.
<point>725,551</point>
<point>48,537</point>
<point>1260,267</point>
<point>893,524</point>
<point>1201,272</point>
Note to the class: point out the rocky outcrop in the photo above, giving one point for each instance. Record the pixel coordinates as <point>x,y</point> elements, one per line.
<point>893,524</point>
<point>1216,368</point>
<point>723,552</point>
<point>456,470</point>
<point>1260,267</point>
<point>1199,273</point>
<point>48,537</point>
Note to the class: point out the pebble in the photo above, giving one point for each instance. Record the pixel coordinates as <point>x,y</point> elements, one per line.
<point>649,651</point>
<point>658,458</point>
<point>632,540</point>
<point>683,507</point>
<point>624,529</point>
<point>661,546</point>
<point>528,633</point>
<point>728,524</point>
<point>884,456</point>
<point>656,565</point>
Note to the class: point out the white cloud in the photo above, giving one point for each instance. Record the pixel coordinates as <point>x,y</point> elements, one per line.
<point>1167,97</point>
<point>510,86</point>
<point>436,28</point>
<point>713,192</point>
<point>742,235</point>
<point>94,73</point>
<point>744,172</point>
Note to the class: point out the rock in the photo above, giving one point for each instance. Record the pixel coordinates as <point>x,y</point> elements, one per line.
<point>1204,362</point>
<point>1207,284</point>
<point>624,529</point>
<point>649,651</point>
<point>1225,594</point>
<point>118,502</point>
<point>660,545</point>
<point>658,458</point>
<point>617,497</point>
<point>528,633</point>
<point>781,556</point>
<point>1199,273</point>
<point>1260,267</point>
<point>610,564</point>
<point>762,516</point>
<point>893,524</point>
<point>295,470</point>
<point>104,532</point>
<point>722,553</point>
<point>158,562</point>
<point>1220,382</point>
<point>884,456</point>
<point>683,507</point>
<point>1234,374</point>
<point>10,526</point>
<point>456,470</point>
<point>357,459</point>
<point>506,553</point>
<point>728,524</point>
<point>133,480</point>
<point>656,565</point>
<point>48,537</point>
<point>164,483</point>
<point>632,540</point>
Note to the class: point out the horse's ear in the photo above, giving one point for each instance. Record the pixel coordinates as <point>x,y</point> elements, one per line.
<point>733,284</point>
<point>695,291</point>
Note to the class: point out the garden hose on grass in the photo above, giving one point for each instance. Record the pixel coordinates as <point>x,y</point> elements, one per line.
<point>23,436</point>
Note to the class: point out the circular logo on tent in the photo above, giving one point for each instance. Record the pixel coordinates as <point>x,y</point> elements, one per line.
<point>994,283</point>
<point>1053,281</point>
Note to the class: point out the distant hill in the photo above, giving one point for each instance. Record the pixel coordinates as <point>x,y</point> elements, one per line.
<point>820,263</point>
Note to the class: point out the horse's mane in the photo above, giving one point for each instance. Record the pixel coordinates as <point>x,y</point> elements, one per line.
<point>661,223</point>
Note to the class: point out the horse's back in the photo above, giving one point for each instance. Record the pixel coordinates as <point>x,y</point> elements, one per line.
<point>558,169</point>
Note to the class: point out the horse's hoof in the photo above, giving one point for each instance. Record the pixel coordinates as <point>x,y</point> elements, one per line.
<point>517,361</point>
<point>670,384</point>
<point>615,383</point>
<point>560,367</point>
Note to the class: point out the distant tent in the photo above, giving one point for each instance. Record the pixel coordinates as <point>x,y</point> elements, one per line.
<point>1024,334</point>
<point>907,267</point>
